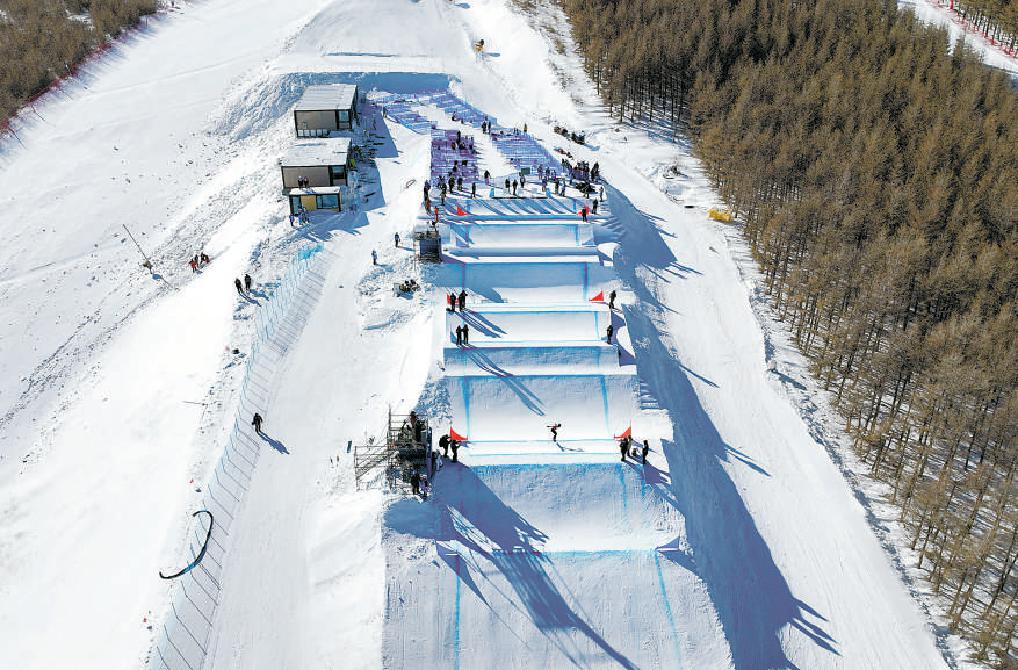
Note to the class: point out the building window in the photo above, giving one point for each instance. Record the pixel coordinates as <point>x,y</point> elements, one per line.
<point>344,116</point>
<point>330,201</point>
<point>338,173</point>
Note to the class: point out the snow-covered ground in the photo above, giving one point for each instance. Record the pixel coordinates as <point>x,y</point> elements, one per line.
<point>746,547</point>
<point>938,13</point>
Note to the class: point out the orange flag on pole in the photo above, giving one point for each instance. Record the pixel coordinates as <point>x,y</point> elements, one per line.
<point>456,436</point>
<point>598,298</point>
<point>628,432</point>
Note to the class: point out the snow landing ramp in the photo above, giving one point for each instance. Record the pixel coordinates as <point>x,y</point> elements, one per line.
<point>548,566</point>
<point>504,323</point>
<point>589,406</point>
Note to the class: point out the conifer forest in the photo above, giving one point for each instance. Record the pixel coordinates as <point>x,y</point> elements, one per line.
<point>873,168</point>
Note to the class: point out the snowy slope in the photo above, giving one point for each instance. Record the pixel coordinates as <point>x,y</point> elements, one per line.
<point>938,13</point>
<point>119,394</point>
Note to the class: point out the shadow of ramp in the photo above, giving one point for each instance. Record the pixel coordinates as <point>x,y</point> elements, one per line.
<point>753,600</point>
<point>479,518</point>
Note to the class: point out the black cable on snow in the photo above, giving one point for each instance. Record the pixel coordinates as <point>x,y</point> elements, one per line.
<point>201,554</point>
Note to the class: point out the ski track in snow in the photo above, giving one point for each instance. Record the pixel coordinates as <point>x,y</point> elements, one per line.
<point>746,547</point>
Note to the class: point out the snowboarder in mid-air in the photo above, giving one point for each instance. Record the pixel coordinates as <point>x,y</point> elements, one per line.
<point>256,421</point>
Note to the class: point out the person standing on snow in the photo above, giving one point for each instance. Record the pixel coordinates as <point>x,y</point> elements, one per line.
<point>256,421</point>
<point>240,287</point>
<point>624,447</point>
<point>516,185</point>
<point>583,213</point>
<point>594,211</point>
<point>194,266</point>
<point>508,185</point>
<point>248,282</point>
<point>459,336</point>
<point>443,442</point>
<point>205,260</point>
<point>611,300</point>
<point>463,300</point>
<point>415,482</point>
<point>611,331</point>
<point>374,257</point>
<point>645,451</point>
<point>487,178</point>
<point>466,334</point>
<point>455,444</point>
<point>397,239</point>
<point>473,189</point>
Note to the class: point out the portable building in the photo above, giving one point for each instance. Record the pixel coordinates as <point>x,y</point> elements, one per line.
<point>322,163</point>
<point>325,109</point>
<point>315,198</point>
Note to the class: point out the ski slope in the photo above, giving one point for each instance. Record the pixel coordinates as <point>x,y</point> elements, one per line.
<point>739,545</point>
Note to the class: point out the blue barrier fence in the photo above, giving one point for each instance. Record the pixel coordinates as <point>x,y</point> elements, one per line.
<point>183,642</point>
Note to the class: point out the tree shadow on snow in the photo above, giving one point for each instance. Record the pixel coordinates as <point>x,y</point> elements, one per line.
<point>753,599</point>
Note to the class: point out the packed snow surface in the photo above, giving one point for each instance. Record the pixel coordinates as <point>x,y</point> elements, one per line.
<point>125,394</point>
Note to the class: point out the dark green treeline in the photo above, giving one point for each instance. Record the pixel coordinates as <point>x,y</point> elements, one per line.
<point>875,171</point>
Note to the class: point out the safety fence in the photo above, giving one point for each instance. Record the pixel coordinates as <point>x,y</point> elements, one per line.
<point>183,642</point>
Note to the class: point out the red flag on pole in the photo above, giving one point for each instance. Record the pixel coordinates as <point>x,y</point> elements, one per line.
<point>456,436</point>
<point>598,298</point>
<point>628,432</point>
<point>459,211</point>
